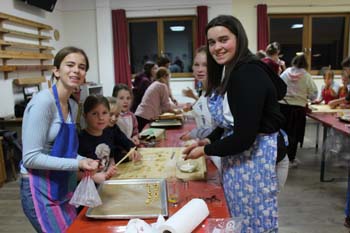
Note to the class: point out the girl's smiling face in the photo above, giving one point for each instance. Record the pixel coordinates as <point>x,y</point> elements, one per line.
<point>222,44</point>
<point>72,71</point>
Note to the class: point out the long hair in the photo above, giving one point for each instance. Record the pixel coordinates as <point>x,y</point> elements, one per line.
<point>147,68</point>
<point>242,53</point>
<point>162,72</point>
<point>65,52</point>
<point>273,48</point>
<point>300,61</point>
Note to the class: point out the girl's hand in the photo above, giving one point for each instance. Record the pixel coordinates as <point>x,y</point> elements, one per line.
<point>135,156</point>
<point>88,164</point>
<point>188,149</point>
<point>203,142</point>
<point>99,177</point>
<point>196,150</point>
<point>111,171</point>
<point>135,140</point>
<point>187,107</point>
<point>189,93</point>
<point>194,153</point>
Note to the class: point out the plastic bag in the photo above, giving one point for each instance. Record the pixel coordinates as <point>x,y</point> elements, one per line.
<point>224,225</point>
<point>86,194</point>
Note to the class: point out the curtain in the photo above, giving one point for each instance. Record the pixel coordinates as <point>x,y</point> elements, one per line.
<point>202,20</point>
<point>262,26</point>
<point>120,48</point>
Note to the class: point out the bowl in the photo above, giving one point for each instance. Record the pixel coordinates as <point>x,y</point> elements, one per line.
<point>187,166</point>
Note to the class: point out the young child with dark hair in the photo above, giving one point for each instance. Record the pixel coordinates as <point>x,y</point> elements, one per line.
<point>99,141</point>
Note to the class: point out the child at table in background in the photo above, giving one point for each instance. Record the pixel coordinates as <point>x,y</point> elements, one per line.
<point>344,89</point>
<point>329,91</point>
<point>343,101</point>
<point>127,121</point>
<point>155,100</point>
<point>97,140</point>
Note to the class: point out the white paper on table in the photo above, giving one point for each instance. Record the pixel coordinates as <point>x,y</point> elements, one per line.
<point>187,218</point>
<point>184,220</point>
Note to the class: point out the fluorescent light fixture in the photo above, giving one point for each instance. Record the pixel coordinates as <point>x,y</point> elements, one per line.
<point>177,28</point>
<point>297,25</point>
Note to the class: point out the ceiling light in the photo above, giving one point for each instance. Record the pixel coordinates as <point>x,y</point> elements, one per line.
<point>177,28</point>
<point>297,25</point>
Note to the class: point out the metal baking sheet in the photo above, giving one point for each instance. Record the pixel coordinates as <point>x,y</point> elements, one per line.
<point>166,123</point>
<point>131,198</point>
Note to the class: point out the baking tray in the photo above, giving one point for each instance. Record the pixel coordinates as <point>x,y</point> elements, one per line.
<point>131,198</point>
<point>345,118</point>
<point>166,123</point>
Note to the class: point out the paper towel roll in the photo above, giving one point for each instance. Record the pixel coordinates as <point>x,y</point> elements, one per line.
<point>186,219</point>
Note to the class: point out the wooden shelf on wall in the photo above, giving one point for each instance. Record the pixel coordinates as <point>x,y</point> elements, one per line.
<point>26,22</point>
<point>25,55</point>
<point>29,81</point>
<point>24,45</point>
<point>24,34</point>
<point>12,68</point>
<point>34,51</point>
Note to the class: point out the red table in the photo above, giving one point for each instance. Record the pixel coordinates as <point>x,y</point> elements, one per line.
<point>210,190</point>
<point>328,120</point>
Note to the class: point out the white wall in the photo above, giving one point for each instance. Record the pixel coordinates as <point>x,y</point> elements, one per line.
<point>79,20</point>
<point>18,8</point>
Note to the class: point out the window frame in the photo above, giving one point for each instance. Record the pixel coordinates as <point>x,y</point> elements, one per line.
<point>160,34</point>
<point>307,32</point>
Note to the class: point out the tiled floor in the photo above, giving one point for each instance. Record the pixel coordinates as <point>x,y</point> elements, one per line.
<point>305,205</point>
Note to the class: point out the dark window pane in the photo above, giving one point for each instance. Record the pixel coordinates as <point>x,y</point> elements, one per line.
<point>179,45</point>
<point>143,44</point>
<point>290,37</point>
<point>327,42</point>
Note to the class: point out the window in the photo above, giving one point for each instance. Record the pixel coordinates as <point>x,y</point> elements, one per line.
<point>323,38</point>
<point>150,38</point>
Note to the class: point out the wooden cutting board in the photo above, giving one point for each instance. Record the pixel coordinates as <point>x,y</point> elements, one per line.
<point>159,163</point>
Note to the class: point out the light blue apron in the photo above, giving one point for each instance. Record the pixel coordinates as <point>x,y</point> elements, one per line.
<point>249,178</point>
<point>52,190</point>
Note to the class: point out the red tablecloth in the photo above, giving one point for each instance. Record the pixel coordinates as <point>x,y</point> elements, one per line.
<point>210,190</point>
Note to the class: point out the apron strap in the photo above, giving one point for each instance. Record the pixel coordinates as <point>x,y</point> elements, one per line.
<point>58,105</point>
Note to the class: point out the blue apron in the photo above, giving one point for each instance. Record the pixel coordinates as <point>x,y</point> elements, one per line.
<point>249,178</point>
<point>52,190</point>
